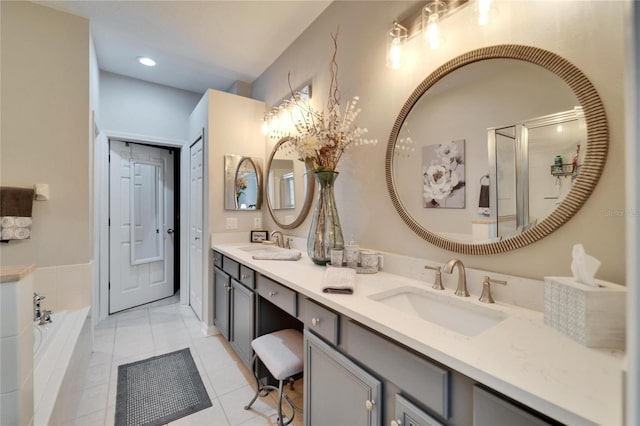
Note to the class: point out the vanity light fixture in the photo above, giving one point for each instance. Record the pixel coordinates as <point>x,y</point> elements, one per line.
<point>395,44</point>
<point>146,61</point>
<point>280,120</point>
<point>431,15</point>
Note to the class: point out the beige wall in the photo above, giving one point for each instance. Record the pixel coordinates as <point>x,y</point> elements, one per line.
<point>587,33</point>
<point>45,128</point>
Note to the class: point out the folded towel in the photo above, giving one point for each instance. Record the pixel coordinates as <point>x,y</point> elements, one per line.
<point>16,205</point>
<point>16,201</point>
<point>339,280</point>
<point>278,255</point>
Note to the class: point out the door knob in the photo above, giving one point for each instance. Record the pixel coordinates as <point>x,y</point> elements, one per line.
<point>170,231</point>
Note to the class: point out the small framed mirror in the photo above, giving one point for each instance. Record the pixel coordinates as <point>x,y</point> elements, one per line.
<point>242,183</point>
<point>145,192</point>
<point>289,188</point>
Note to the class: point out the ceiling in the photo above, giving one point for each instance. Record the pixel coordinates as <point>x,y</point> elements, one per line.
<point>197,44</point>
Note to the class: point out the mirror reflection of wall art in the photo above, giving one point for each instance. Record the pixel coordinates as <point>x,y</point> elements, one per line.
<point>443,175</point>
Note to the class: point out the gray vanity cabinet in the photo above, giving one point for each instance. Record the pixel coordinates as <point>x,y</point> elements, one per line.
<point>337,391</point>
<point>408,414</point>
<point>242,321</point>
<point>490,409</point>
<point>222,290</point>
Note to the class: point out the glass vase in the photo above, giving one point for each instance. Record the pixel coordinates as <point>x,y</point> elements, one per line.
<point>325,232</point>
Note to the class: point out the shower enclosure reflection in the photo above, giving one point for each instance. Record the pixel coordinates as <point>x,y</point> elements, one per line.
<point>532,165</point>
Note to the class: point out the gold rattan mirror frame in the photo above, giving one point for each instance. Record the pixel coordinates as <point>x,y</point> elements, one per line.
<point>308,199</point>
<point>594,160</point>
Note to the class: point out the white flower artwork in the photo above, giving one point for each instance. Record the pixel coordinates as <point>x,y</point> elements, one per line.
<point>443,175</point>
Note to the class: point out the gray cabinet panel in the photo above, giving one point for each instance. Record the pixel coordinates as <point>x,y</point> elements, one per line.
<point>247,277</point>
<point>231,267</point>
<point>320,320</point>
<point>491,410</point>
<point>242,320</point>
<point>221,289</point>
<point>217,259</point>
<point>407,414</point>
<point>281,296</point>
<point>337,392</point>
<point>424,381</point>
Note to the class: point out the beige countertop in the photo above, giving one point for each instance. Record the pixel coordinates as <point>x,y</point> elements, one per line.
<point>520,357</point>
<point>9,274</point>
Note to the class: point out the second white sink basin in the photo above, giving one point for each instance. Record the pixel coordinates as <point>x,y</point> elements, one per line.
<point>460,316</point>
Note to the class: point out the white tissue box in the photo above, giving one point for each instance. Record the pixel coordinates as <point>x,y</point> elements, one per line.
<point>592,316</point>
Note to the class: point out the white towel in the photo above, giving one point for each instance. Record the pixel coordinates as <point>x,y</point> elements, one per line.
<point>278,255</point>
<point>339,280</point>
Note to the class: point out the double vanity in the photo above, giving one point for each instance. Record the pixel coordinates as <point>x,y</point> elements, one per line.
<point>399,352</point>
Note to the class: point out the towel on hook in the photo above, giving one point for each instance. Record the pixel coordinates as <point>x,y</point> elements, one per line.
<point>483,201</point>
<point>16,205</point>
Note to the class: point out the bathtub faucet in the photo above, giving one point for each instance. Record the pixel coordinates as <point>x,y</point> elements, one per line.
<point>37,312</point>
<point>46,317</point>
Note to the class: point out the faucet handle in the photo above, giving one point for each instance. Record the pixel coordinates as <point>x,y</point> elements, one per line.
<point>437,284</point>
<point>485,297</point>
<point>37,297</point>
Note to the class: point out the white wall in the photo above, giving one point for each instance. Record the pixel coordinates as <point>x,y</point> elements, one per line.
<point>572,29</point>
<point>45,129</point>
<point>137,107</point>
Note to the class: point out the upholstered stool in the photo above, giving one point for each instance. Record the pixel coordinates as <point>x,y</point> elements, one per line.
<point>281,352</point>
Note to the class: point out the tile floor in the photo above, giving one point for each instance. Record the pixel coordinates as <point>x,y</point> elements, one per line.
<point>162,327</point>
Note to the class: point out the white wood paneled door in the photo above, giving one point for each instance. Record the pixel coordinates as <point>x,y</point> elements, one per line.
<point>141,216</point>
<point>195,227</point>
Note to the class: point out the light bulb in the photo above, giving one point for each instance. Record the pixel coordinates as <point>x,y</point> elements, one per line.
<point>265,127</point>
<point>146,61</point>
<point>433,32</point>
<point>484,10</point>
<point>395,54</point>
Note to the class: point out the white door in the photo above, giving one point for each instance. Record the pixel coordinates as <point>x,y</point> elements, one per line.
<point>141,193</point>
<point>195,228</point>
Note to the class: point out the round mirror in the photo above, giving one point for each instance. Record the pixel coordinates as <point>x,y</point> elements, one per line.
<point>496,149</point>
<point>289,187</point>
<point>242,183</point>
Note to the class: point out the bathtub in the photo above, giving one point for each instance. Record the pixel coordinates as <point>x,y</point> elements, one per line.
<point>61,353</point>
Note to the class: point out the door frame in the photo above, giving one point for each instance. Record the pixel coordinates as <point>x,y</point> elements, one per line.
<point>101,214</point>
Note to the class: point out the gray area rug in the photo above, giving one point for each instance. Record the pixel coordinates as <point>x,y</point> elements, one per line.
<point>158,390</point>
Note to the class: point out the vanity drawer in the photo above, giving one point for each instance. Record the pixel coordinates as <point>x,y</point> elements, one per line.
<point>320,320</point>
<point>217,259</point>
<point>279,295</point>
<point>491,410</point>
<point>424,381</point>
<point>231,267</point>
<point>247,277</point>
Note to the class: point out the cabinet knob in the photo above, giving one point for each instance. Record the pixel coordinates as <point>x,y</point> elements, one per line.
<point>396,423</point>
<point>315,321</point>
<point>369,404</point>
<point>244,276</point>
<point>272,293</point>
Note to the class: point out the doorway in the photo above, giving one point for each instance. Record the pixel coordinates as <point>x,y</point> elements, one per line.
<point>143,224</point>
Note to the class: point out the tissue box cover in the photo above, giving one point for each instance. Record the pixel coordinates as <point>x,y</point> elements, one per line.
<point>593,316</point>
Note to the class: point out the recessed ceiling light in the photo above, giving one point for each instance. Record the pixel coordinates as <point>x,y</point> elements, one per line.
<point>146,61</point>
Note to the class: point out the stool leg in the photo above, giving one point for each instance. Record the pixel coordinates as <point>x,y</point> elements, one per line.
<point>280,390</point>
<point>253,365</point>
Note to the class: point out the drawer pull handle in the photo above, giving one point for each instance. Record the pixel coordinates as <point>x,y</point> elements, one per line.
<point>272,293</point>
<point>244,276</point>
<point>315,321</point>
<point>396,422</point>
<point>369,404</point>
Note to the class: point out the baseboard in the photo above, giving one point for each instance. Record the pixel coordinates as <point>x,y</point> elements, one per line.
<point>209,330</point>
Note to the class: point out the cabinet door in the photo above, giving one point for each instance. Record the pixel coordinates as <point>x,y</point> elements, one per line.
<point>491,410</point>
<point>222,288</point>
<point>337,392</point>
<point>242,320</point>
<point>408,414</point>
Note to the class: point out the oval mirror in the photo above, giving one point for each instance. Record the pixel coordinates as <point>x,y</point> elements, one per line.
<point>289,187</point>
<point>496,149</point>
<point>243,183</point>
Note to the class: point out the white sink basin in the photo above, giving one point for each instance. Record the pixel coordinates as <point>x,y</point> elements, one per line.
<point>269,252</point>
<point>461,316</point>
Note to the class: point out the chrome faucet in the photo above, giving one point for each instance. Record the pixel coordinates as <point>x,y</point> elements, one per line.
<point>37,312</point>
<point>46,317</point>
<point>462,277</point>
<point>279,238</point>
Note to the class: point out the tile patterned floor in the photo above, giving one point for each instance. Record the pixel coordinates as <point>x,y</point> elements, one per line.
<point>162,327</point>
